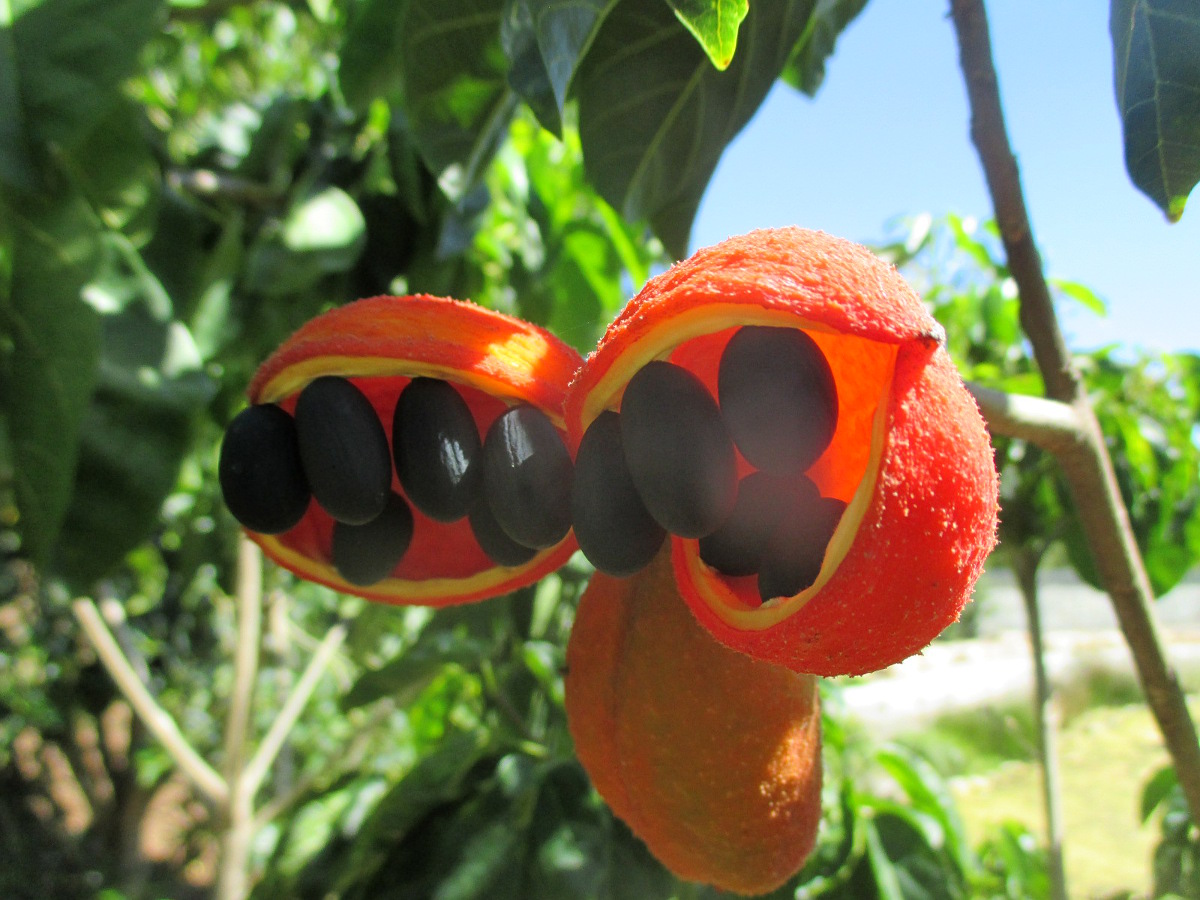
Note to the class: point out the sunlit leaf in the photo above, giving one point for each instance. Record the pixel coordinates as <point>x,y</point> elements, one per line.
<point>1157,73</point>
<point>806,67</point>
<point>655,115</point>
<point>714,23</point>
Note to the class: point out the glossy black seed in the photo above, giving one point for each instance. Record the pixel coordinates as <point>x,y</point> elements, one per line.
<point>778,397</point>
<point>261,476</point>
<point>679,452</point>
<point>612,526</point>
<point>795,552</point>
<point>367,554</point>
<point>436,447</point>
<point>496,545</point>
<point>763,500</point>
<point>344,449</point>
<point>527,477</point>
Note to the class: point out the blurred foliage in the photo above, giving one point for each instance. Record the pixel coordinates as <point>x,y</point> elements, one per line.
<point>182,184</point>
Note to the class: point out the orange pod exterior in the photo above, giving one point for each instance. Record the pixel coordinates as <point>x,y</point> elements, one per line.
<point>495,361</point>
<point>713,759</point>
<point>910,455</point>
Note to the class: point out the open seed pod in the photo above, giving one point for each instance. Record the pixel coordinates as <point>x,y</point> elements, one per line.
<point>897,490</point>
<point>408,532</point>
<point>713,759</point>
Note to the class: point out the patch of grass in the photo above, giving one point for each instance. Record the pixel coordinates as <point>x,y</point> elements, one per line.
<point>978,740</point>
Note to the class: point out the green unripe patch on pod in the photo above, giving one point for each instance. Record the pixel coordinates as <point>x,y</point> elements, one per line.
<point>678,449</point>
<point>344,449</point>
<point>737,547</point>
<point>792,558</point>
<point>366,554</point>
<point>496,545</point>
<point>778,397</point>
<point>613,528</point>
<point>261,475</point>
<point>527,477</point>
<point>436,448</point>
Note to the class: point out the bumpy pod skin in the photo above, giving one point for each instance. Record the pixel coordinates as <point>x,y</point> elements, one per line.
<point>713,759</point>
<point>911,456</point>
<point>380,343</point>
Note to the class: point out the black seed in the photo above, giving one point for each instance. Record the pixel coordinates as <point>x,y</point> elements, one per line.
<point>737,547</point>
<point>612,526</point>
<point>261,476</point>
<point>436,447</point>
<point>344,449</point>
<point>678,449</point>
<point>366,554</point>
<point>496,545</point>
<point>527,477</point>
<point>778,396</point>
<point>795,552</point>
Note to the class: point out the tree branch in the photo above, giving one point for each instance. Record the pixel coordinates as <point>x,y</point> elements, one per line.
<point>1087,467</point>
<point>157,719</point>
<point>1049,424</point>
<point>260,763</point>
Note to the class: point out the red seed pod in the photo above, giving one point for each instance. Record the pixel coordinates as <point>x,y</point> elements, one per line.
<point>494,361</point>
<point>910,455</point>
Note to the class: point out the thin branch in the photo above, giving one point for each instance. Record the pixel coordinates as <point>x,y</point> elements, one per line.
<point>157,719</point>
<point>245,662</point>
<point>1049,424</point>
<point>1087,467</point>
<point>260,763</point>
<point>220,186</point>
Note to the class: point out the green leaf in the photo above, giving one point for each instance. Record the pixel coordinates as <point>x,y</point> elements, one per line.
<point>1082,295</point>
<point>714,24</point>
<point>565,30</point>
<point>456,91</point>
<point>137,429</point>
<point>369,61</point>
<point>72,56</point>
<point>50,365</point>
<point>1160,786</point>
<point>402,679</point>
<point>527,73</point>
<point>655,115</point>
<point>439,778</point>
<point>16,158</point>
<point>1157,74</point>
<point>806,66</point>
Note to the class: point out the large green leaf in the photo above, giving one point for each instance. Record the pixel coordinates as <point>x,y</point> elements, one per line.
<point>369,61</point>
<point>72,55</point>
<point>655,115</point>
<point>806,68</point>
<point>714,23</point>
<point>456,91</point>
<point>1157,71</point>
<point>137,429</point>
<point>527,72</point>
<point>565,30</point>
<point>16,159</point>
<point>49,365</point>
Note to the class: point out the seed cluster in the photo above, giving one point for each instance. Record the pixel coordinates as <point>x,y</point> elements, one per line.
<point>670,461</point>
<point>666,463</point>
<point>513,486</point>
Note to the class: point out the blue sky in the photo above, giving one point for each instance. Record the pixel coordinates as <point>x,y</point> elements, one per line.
<point>887,136</point>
